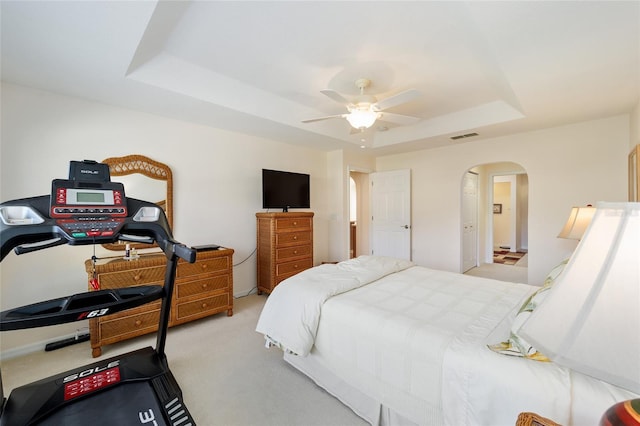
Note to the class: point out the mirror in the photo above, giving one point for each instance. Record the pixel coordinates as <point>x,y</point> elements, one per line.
<point>144,179</point>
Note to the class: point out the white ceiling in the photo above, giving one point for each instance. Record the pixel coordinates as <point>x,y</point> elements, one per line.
<point>493,68</point>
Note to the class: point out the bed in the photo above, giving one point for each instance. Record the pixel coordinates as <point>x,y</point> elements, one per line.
<point>404,344</point>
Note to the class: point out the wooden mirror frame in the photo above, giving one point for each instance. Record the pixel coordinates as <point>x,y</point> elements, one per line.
<point>132,164</point>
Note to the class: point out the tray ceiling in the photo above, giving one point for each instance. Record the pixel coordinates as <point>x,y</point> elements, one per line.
<point>492,68</point>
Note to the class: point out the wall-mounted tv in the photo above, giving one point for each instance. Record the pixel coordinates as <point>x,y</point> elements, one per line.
<point>285,190</point>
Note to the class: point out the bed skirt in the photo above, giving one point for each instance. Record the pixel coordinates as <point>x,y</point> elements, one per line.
<point>363,405</point>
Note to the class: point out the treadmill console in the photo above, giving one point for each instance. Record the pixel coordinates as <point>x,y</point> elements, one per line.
<point>88,212</point>
<point>67,199</point>
<point>88,204</point>
<point>87,208</point>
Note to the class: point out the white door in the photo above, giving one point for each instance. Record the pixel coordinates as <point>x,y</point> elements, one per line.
<point>391,214</point>
<point>469,221</point>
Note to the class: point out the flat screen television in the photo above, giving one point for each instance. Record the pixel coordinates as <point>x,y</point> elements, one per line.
<point>285,190</point>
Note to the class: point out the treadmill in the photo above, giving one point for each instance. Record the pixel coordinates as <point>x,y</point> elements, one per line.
<point>136,388</point>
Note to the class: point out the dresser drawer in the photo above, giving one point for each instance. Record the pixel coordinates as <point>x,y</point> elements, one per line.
<point>202,288</point>
<point>292,238</point>
<point>218,264</point>
<point>130,323</point>
<point>290,268</point>
<point>292,224</point>
<point>206,285</point>
<point>201,307</point>
<point>286,254</point>
<point>153,275</point>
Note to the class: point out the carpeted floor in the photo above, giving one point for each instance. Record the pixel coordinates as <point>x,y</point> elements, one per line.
<point>226,374</point>
<point>497,271</point>
<point>507,257</point>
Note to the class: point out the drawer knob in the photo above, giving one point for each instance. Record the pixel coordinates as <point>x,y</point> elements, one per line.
<point>295,266</point>
<point>138,323</point>
<point>204,266</point>
<point>205,285</point>
<point>295,252</point>
<point>295,237</point>
<point>295,223</point>
<point>204,305</point>
<point>137,277</point>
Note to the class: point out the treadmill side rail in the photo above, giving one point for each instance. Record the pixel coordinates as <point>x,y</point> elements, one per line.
<point>78,307</point>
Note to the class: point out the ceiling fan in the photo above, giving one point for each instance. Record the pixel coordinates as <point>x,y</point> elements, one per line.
<point>364,110</point>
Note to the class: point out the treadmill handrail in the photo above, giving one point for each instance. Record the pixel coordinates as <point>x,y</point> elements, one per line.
<point>29,237</point>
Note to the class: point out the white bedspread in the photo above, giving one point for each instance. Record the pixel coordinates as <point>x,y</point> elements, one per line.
<point>390,337</point>
<point>414,342</point>
<point>481,387</point>
<point>290,317</point>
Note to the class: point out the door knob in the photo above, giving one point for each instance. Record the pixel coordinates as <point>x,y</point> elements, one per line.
<point>404,226</point>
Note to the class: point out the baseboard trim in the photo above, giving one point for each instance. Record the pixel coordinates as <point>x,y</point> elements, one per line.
<point>33,347</point>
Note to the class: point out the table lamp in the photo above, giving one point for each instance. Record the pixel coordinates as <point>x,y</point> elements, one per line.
<point>590,320</point>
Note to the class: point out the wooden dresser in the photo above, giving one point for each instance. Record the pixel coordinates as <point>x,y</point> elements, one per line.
<point>285,247</point>
<point>201,289</point>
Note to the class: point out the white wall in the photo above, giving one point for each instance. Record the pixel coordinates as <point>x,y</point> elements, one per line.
<point>217,186</point>
<point>569,165</point>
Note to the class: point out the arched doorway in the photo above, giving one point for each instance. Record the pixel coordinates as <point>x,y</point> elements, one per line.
<point>493,210</point>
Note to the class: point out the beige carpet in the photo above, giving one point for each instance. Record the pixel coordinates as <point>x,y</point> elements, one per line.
<point>226,374</point>
<point>512,273</point>
<point>524,261</point>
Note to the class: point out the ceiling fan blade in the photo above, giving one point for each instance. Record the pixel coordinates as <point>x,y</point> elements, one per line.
<point>404,120</point>
<point>400,98</point>
<point>311,120</point>
<point>335,96</point>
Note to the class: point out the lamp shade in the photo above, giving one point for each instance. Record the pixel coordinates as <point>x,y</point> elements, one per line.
<point>577,223</point>
<point>590,320</point>
<point>362,118</point>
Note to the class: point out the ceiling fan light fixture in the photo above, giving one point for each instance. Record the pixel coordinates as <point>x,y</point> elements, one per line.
<point>362,118</point>
<point>364,109</point>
